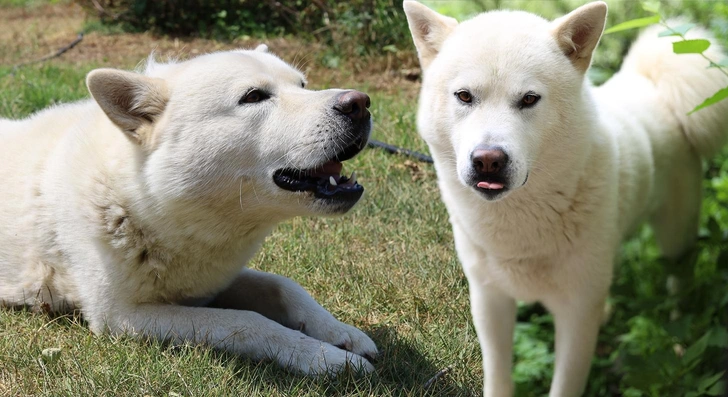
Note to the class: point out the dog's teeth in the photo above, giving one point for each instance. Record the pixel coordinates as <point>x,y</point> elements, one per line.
<point>332,181</point>
<point>352,178</point>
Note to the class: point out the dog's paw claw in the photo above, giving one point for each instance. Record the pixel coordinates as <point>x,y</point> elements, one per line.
<point>329,360</point>
<point>371,358</point>
<point>343,336</point>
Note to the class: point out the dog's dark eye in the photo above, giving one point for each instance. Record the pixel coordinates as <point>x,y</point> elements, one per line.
<point>529,100</point>
<point>464,96</point>
<point>303,84</point>
<point>253,96</point>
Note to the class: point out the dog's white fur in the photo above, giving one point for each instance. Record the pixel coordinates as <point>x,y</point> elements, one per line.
<point>143,205</point>
<point>587,165</point>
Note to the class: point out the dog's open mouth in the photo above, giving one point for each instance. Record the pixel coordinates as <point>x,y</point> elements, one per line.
<point>324,181</point>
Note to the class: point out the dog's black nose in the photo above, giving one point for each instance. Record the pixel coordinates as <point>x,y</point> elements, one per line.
<point>489,160</point>
<point>353,104</point>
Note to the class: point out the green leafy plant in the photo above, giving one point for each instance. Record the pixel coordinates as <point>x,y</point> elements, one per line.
<point>371,24</point>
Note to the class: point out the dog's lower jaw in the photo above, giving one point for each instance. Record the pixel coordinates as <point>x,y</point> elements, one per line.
<point>492,195</point>
<point>335,208</point>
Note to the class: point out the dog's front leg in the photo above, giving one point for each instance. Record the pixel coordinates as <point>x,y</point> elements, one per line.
<point>246,333</point>
<point>577,319</point>
<point>284,301</point>
<point>494,316</point>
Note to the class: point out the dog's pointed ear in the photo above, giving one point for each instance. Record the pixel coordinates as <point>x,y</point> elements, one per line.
<point>578,33</point>
<point>131,101</point>
<point>428,28</point>
<point>261,48</point>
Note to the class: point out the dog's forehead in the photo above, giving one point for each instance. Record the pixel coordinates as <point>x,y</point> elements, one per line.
<point>254,61</point>
<point>503,36</point>
<point>499,48</point>
<point>239,64</point>
<point>503,26</point>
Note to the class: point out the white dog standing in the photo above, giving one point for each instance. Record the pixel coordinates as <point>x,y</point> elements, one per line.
<point>141,207</point>
<point>543,175</point>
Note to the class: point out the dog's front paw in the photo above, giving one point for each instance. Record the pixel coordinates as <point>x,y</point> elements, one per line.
<point>343,336</point>
<point>320,358</point>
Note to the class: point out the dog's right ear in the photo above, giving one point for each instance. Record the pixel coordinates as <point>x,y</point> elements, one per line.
<point>429,30</point>
<point>131,101</point>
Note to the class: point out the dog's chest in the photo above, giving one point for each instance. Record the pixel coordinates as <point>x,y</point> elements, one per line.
<point>540,230</point>
<point>175,266</point>
<point>534,250</point>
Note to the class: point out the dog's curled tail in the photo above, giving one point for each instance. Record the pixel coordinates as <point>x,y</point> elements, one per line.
<point>684,81</point>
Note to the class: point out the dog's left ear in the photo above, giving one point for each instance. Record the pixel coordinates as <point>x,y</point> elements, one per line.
<point>578,33</point>
<point>261,48</point>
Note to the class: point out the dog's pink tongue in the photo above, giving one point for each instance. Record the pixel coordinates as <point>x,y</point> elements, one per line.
<point>329,168</point>
<point>490,185</point>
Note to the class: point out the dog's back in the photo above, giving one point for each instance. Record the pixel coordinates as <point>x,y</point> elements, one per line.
<point>646,107</point>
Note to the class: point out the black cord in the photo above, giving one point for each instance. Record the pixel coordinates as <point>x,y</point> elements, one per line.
<point>397,150</point>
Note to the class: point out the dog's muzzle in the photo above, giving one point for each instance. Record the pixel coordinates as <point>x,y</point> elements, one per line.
<point>489,170</point>
<point>325,180</point>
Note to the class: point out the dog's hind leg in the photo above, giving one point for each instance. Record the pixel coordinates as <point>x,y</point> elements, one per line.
<point>284,301</point>
<point>675,223</point>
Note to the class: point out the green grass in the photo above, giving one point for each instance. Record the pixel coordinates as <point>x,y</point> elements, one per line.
<point>24,3</point>
<point>29,89</point>
<point>389,268</point>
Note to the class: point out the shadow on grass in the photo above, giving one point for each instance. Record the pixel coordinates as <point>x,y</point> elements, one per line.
<point>402,368</point>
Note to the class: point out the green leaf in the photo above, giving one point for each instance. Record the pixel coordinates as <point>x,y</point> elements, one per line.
<point>680,328</point>
<point>718,337</point>
<point>718,389</point>
<point>721,64</point>
<point>697,349</point>
<point>632,392</point>
<point>705,383</point>
<point>717,97</point>
<point>695,46</point>
<point>651,6</point>
<point>677,30</point>
<point>716,235</point>
<point>633,24</point>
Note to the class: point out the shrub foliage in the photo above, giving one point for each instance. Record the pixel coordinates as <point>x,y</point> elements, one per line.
<point>370,23</point>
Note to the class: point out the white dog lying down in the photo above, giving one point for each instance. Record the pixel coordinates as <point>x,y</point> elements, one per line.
<point>543,175</point>
<point>142,206</point>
